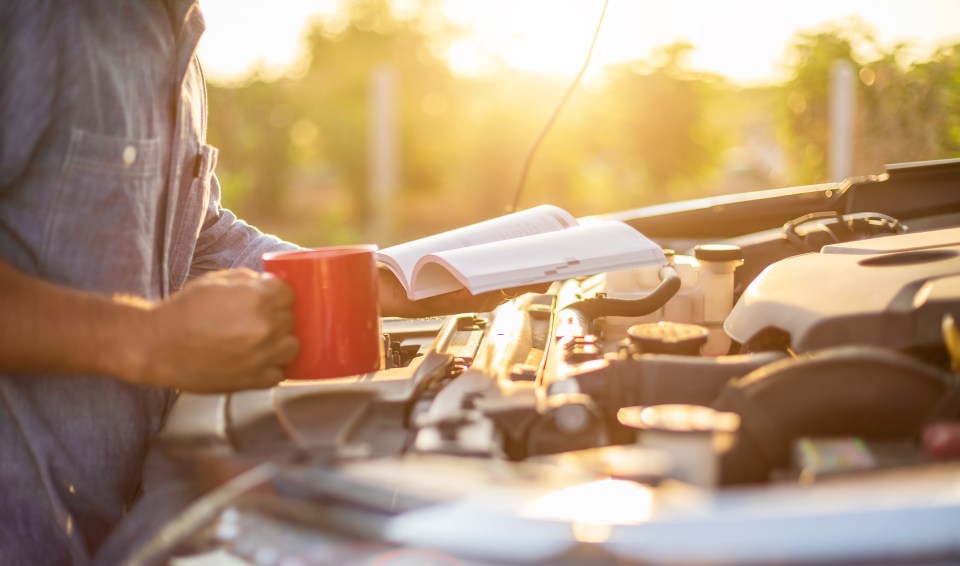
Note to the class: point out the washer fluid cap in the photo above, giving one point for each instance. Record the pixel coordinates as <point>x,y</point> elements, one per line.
<point>718,252</point>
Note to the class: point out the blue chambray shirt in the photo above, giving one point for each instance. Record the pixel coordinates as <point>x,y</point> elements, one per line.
<point>106,185</point>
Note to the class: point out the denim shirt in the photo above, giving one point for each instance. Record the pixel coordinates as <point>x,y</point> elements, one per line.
<point>106,185</point>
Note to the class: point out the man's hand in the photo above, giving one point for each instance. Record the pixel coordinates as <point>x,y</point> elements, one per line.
<point>224,331</point>
<point>394,301</point>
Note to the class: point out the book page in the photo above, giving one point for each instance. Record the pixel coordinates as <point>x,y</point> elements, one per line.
<point>552,256</point>
<point>402,258</point>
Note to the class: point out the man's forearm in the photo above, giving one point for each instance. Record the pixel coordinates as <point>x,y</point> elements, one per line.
<point>394,301</point>
<point>225,331</point>
<point>45,328</point>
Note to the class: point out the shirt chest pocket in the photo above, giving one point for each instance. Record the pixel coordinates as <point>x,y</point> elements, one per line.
<point>102,231</point>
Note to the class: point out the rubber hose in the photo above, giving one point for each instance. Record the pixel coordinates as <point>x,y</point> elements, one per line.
<point>602,306</point>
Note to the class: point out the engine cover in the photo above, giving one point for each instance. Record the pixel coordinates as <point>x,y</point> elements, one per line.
<point>891,291</point>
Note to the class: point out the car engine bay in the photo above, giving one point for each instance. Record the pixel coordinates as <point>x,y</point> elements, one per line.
<point>758,399</point>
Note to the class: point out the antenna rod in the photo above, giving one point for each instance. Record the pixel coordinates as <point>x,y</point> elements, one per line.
<point>553,118</point>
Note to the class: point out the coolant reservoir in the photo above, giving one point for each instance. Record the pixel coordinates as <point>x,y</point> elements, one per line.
<point>717,264</point>
<point>705,296</point>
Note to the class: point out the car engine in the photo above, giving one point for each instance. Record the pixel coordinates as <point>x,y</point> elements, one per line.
<point>758,399</point>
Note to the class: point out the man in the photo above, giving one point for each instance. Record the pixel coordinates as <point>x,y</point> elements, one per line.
<point>112,239</point>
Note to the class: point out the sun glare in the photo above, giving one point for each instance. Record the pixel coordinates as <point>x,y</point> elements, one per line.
<point>593,508</point>
<point>539,36</point>
<point>243,35</point>
<point>744,40</point>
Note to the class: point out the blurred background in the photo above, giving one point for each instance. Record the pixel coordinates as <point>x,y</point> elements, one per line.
<point>345,121</point>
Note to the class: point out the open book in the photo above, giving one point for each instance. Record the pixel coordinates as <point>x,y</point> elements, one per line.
<point>536,245</point>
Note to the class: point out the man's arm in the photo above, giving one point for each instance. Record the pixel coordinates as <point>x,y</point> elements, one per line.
<point>227,242</point>
<point>394,301</point>
<point>225,331</point>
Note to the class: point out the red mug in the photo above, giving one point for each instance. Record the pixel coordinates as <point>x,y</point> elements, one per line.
<point>336,309</point>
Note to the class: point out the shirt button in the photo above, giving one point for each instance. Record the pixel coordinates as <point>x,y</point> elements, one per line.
<point>129,155</point>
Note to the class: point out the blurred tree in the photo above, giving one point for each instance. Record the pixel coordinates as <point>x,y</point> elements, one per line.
<point>637,135</point>
<point>462,141</point>
<point>659,124</point>
<point>333,95</point>
<point>807,109</point>
<point>909,113</point>
<point>905,112</point>
<point>245,127</point>
<point>294,151</point>
<point>269,133</point>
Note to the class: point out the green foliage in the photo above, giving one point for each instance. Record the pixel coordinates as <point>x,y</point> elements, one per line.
<point>905,112</point>
<point>655,124</point>
<point>294,151</point>
<point>304,140</point>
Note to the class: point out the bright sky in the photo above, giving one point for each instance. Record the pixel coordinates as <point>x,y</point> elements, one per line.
<point>744,40</point>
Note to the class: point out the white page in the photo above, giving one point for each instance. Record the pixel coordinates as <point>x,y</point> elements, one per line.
<point>403,258</point>
<point>581,250</point>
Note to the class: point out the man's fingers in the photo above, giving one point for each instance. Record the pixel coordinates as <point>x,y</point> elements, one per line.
<point>284,351</point>
<point>279,294</point>
<point>233,275</point>
<point>283,323</point>
<point>270,377</point>
<point>280,354</point>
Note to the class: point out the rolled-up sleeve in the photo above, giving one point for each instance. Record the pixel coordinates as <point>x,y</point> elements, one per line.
<point>225,241</point>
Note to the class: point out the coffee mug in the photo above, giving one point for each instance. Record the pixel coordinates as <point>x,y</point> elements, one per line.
<point>336,309</point>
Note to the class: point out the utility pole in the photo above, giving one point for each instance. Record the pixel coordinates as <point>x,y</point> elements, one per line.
<point>842,111</point>
<point>382,153</point>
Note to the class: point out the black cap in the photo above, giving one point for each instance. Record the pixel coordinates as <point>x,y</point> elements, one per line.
<point>668,338</point>
<point>718,252</point>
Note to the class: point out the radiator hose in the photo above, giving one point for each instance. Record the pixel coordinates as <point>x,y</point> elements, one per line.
<point>653,301</point>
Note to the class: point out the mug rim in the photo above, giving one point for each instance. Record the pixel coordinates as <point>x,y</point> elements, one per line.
<point>327,252</point>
